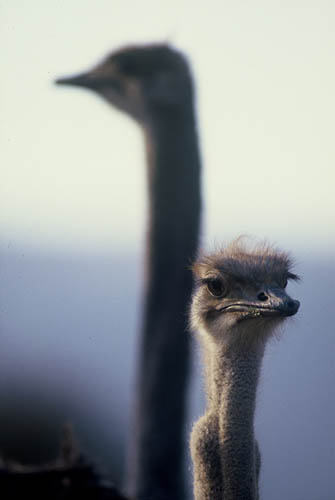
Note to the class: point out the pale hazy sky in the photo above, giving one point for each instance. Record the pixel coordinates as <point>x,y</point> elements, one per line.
<point>73,171</point>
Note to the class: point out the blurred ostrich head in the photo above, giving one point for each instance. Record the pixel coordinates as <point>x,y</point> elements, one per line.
<point>140,80</point>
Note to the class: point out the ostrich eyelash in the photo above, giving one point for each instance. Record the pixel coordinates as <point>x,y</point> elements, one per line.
<point>293,277</point>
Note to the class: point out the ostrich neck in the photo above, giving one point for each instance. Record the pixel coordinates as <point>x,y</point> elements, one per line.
<point>234,375</point>
<point>174,187</point>
<point>174,219</point>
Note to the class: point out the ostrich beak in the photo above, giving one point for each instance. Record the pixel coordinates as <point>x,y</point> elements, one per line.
<point>87,80</point>
<point>93,80</point>
<point>274,302</point>
<point>280,302</point>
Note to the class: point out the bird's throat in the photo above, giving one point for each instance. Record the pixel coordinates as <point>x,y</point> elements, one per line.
<point>233,385</point>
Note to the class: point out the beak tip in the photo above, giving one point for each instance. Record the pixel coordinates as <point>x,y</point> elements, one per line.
<point>297,305</point>
<point>64,81</point>
<point>81,80</point>
<point>59,81</point>
<point>292,307</point>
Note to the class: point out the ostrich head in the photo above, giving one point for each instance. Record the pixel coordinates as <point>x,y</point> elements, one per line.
<point>140,80</point>
<point>240,293</point>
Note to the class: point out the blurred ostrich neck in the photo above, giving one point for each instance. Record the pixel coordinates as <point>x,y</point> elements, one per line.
<point>174,219</point>
<point>174,202</point>
<point>233,379</point>
<point>173,174</point>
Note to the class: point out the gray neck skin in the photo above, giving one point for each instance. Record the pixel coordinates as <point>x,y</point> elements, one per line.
<point>157,457</point>
<point>233,379</point>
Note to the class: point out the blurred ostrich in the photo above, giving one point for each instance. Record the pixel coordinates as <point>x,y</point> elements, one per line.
<point>239,301</point>
<point>153,84</point>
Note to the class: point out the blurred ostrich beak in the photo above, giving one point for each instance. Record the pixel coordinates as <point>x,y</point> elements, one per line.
<point>87,80</point>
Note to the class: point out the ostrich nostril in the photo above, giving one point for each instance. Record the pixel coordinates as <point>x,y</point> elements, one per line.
<point>262,297</point>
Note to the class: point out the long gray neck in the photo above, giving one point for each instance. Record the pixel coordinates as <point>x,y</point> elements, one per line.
<point>233,383</point>
<point>157,464</point>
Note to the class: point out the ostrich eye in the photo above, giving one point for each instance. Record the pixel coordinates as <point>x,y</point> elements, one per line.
<point>216,287</point>
<point>284,283</point>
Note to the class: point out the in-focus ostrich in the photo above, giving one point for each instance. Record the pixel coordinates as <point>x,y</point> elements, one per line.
<point>240,299</point>
<point>153,84</point>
